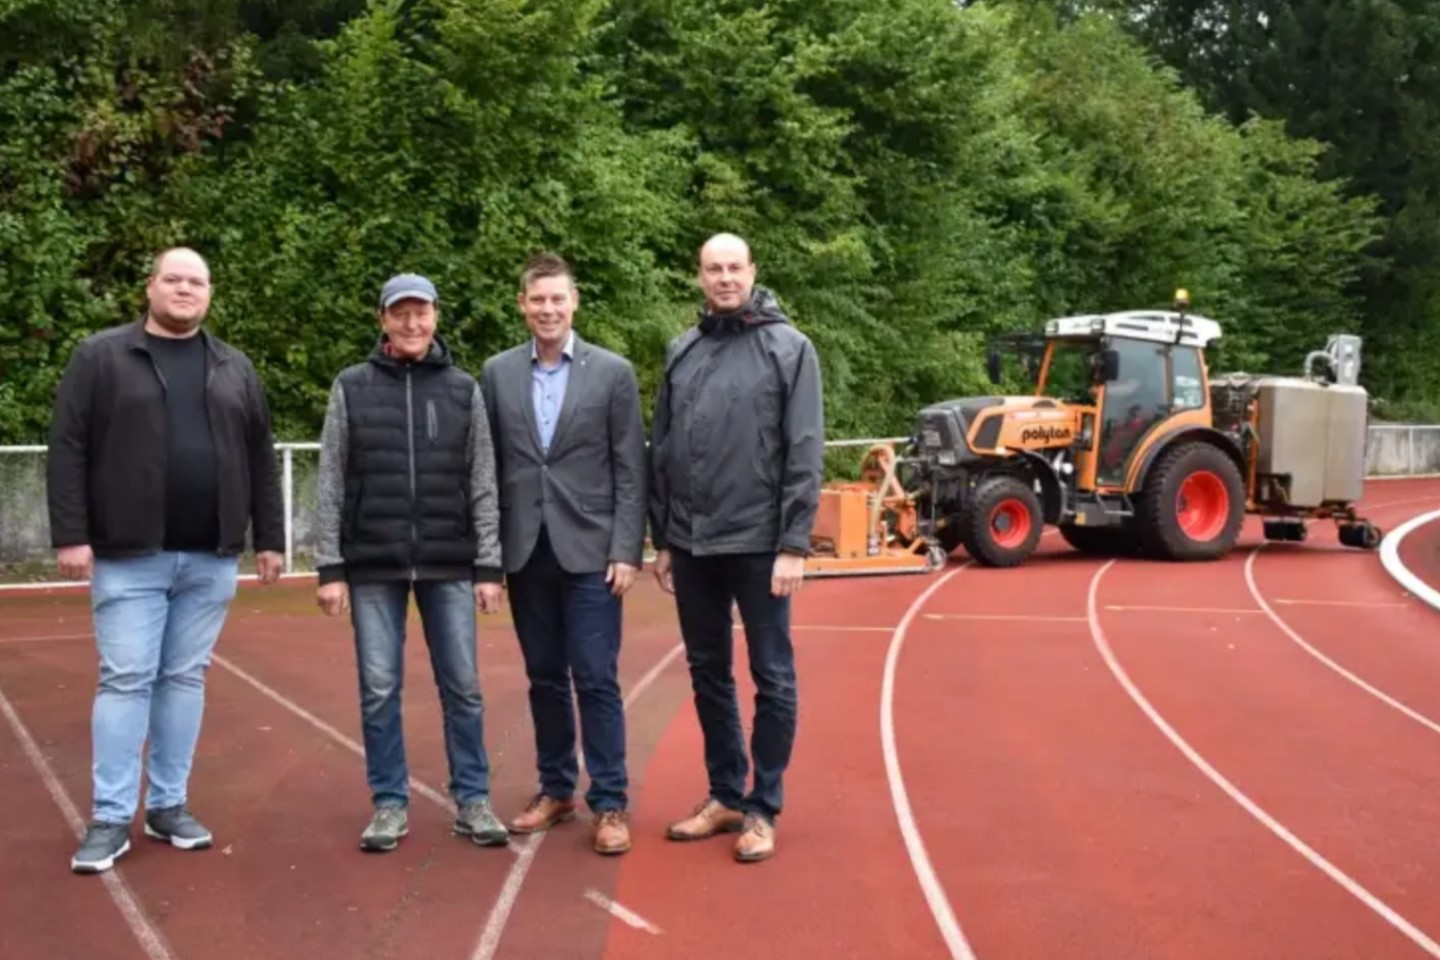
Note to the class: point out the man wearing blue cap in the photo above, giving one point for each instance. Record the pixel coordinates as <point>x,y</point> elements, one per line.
<point>408,502</point>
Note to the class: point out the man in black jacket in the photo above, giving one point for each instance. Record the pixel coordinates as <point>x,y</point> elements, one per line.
<point>737,451</point>
<point>408,502</point>
<point>161,456</point>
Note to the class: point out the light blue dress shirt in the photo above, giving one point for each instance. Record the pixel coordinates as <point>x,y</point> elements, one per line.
<point>547,389</point>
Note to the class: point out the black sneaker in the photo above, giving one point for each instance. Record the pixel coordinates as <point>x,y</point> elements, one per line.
<point>104,843</point>
<point>176,825</point>
<point>386,828</point>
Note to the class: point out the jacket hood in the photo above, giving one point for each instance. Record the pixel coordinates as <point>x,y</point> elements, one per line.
<point>762,308</point>
<point>439,355</point>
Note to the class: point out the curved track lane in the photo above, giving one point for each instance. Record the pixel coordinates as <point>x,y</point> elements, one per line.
<point>1059,823</point>
<point>1349,776</point>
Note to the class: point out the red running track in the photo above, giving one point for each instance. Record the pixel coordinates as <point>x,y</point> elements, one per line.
<point>1129,760</point>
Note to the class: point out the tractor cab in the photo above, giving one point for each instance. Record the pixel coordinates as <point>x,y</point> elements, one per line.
<point>1127,377</point>
<point>1142,370</point>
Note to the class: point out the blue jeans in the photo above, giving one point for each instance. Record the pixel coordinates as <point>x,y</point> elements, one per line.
<point>156,622</point>
<point>569,626</point>
<point>705,587</point>
<point>447,613</point>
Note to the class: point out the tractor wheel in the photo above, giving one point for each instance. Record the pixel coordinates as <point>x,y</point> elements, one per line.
<point>1116,541</point>
<point>1003,522</point>
<point>1193,504</point>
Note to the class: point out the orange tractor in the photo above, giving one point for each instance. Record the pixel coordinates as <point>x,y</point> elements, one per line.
<point>1127,445</point>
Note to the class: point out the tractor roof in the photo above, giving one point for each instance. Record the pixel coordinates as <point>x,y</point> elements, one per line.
<point>1160,326</point>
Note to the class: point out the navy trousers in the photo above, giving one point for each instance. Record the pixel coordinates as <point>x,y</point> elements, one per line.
<point>569,628</point>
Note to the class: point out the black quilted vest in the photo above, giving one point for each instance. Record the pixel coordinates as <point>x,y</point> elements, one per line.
<point>407,482</point>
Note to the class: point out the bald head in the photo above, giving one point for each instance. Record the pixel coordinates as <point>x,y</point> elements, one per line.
<point>179,257</point>
<point>178,292</point>
<point>727,272</point>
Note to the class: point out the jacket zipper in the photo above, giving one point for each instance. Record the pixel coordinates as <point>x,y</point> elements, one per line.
<point>210,368</point>
<point>410,435</point>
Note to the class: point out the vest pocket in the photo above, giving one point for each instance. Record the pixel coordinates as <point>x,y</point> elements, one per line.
<point>432,421</point>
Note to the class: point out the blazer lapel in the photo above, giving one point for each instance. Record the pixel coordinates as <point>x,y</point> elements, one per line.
<point>573,387</point>
<point>524,391</point>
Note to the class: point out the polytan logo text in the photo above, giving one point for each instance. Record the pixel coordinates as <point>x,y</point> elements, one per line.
<point>1044,434</point>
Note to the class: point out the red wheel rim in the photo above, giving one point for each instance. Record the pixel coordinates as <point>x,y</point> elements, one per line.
<point>1009,523</point>
<point>1202,506</point>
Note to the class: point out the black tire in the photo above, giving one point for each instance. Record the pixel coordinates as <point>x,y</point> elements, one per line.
<point>1003,522</point>
<point>952,535</point>
<point>1219,490</point>
<point>1116,541</point>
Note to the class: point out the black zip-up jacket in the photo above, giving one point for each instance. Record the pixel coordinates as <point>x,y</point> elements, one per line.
<point>107,458</point>
<point>407,474</point>
<point>738,440</point>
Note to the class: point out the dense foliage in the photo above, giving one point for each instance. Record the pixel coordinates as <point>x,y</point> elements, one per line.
<point>913,175</point>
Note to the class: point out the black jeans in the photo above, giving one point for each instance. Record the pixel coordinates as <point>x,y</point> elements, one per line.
<point>705,588</point>
<point>569,626</point>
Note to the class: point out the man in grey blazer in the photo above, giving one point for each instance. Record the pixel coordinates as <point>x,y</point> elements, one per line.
<point>570,456</point>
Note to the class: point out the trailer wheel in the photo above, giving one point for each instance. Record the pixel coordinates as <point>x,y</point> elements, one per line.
<point>1003,522</point>
<point>1193,504</point>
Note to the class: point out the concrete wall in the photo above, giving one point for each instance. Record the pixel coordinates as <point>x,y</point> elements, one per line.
<point>25,533</point>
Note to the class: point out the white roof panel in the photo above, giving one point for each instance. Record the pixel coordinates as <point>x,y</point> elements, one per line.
<point>1160,326</point>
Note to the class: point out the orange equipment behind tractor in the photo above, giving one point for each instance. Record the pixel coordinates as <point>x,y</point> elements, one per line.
<point>1127,445</point>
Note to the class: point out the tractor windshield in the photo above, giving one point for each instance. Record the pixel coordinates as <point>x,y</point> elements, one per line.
<point>1071,373</point>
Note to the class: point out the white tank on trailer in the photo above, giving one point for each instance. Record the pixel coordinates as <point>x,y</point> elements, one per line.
<point>1312,439</point>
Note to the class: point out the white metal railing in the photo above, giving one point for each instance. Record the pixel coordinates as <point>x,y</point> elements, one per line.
<point>1392,450</point>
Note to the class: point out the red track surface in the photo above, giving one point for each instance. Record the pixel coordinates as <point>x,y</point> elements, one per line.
<point>1058,818</point>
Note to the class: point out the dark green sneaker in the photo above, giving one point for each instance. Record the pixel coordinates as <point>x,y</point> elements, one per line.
<point>104,843</point>
<point>478,822</point>
<point>385,830</point>
<point>178,827</point>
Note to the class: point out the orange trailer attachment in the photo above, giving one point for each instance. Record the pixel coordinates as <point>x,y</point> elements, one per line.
<point>868,527</point>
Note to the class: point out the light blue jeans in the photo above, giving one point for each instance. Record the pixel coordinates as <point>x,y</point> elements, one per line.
<point>156,622</point>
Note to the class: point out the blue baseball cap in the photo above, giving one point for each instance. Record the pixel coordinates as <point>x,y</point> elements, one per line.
<point>407,285</point>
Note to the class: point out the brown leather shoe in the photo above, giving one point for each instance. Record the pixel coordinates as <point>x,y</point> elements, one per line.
<point>756,840</point>
<point>611,831</point>
<point>542,814</point>
<point>706,820</point>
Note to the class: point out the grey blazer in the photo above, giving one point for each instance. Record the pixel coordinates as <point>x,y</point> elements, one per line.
<point>589,489</point>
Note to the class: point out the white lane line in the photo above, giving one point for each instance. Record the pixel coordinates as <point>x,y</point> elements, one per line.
<point>1300,641</point>
<point>60,636</point>
<point>429,793</point>
<point>494,929</point>
<point>1021,617</point>
<point>1130,608</point>
<point>1390,558</point>
<point>795,627</point>
<point>919,859</point>
<point>1366,604</point>
<point>620,912</point>
<point>1097,634</point>
<point>76,584</point>
<point>151,940</point>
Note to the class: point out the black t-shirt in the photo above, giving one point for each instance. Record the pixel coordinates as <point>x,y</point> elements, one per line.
<point>192,510</point>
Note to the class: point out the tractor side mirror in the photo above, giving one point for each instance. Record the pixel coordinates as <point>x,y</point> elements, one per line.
<point>992,365</point>
<point>1109,365</point>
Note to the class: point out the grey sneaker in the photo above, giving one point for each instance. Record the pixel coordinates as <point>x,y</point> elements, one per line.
<point>104,843</point>
<point>478,822</point>
<point>386,828</point>
<point>178,826</point>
